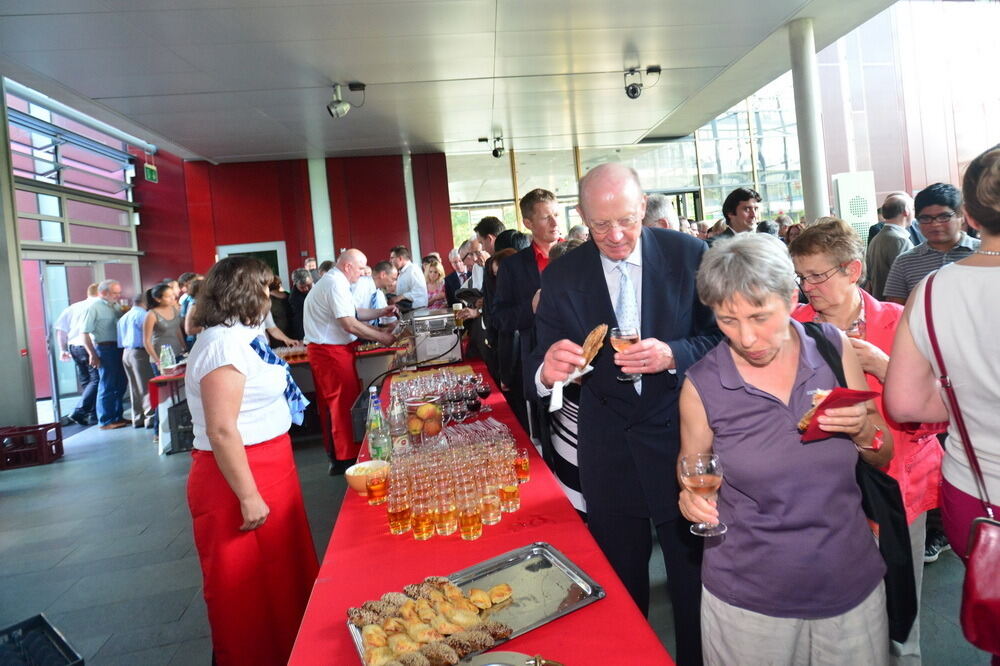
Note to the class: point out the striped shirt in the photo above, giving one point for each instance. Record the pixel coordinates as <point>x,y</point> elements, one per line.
<point>913,266</point>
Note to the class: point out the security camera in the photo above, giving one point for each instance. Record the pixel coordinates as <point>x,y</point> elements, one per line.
<point>497,148</point>
<point>633,90</point>
<point>337,108</point>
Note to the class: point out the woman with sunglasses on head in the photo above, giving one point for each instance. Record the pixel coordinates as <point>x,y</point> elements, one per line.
<point>828,261</point>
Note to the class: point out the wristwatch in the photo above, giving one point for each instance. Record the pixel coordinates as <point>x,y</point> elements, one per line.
<point>876,443</point>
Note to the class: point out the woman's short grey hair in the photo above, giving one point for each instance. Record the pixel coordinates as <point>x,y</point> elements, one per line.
<point>755,266</point>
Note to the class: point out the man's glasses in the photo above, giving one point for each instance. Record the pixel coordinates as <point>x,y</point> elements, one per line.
<point>604,226</point>
<point>818,278</point>
<point>936,219</point>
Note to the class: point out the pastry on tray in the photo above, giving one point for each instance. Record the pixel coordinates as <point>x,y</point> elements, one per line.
<point>431,623</point>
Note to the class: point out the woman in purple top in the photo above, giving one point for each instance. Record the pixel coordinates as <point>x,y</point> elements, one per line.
<point>798,576</point>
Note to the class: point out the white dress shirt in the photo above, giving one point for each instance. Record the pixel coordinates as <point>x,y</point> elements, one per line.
<point>612,277</point>
<point>475,280</point>
<point>264,412</point>
<point>367,295</point>
<point>327,301</point>
<point>411,285</point>
<point>70,320</point>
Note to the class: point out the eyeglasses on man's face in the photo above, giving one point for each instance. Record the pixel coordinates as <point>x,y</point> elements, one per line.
<point>818,278</point>
<point>940,218</point>
<point>604,226</point>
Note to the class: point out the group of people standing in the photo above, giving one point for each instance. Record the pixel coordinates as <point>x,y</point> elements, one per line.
<point>734,341</point>
<point>115,346</point>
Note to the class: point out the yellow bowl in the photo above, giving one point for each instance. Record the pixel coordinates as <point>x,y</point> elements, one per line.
<point>357,475</point>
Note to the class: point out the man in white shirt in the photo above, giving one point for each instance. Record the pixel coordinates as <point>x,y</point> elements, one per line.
<point>411,285</point>
<point>69,334</point>
<point>332,323</point>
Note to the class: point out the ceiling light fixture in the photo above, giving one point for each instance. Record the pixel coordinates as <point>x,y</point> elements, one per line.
<point>338,107</point>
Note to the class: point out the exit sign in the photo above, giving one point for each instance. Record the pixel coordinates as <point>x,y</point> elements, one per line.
<point>151,173</point>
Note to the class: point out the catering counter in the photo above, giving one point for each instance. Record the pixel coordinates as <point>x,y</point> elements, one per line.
<point>363,561</point>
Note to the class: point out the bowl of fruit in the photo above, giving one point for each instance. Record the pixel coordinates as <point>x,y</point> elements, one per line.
<point>423,416</point>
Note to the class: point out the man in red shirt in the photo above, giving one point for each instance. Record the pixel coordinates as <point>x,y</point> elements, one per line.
<point>517,281</point>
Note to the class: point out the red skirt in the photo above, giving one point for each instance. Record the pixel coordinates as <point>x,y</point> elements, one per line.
<point>337,387</point>
<point>257,583</point>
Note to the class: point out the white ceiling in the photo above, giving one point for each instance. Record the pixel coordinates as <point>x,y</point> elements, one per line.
<point>242,80</point>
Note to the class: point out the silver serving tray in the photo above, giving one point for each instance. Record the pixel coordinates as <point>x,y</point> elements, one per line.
<point>547,585</point>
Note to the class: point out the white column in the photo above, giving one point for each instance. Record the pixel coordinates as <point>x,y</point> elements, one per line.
<point>17,400</point>
<point>319,196</point>
<point>805,80</point>
<point>411,209</point>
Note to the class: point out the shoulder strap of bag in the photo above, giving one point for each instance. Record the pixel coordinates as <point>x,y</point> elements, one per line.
<point>949,390</point>
<point>827,350</point>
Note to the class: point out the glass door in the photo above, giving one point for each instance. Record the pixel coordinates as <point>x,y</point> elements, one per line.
<point>50,287</point>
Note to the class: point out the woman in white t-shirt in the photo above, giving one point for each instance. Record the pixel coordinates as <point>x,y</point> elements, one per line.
<point>966,317</point>
<point>250,526</point>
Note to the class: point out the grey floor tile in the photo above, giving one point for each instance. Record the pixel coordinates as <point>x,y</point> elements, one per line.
<point>157,656</point>
<point>124,616</point>
<point>193,653</point>
<point>151,539</point>
<point>126,584</point>
<point>24,596</point>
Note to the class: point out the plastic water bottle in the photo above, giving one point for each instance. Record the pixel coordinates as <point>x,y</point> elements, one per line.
<point>167,358</point>
<point>379,443</point>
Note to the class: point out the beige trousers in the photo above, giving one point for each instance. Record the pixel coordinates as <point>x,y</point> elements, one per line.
<point>732,635</point>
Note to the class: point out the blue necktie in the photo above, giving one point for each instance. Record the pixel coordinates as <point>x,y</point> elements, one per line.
<point>374,300</point>
<point>627,308</point>
<point>297,402</point>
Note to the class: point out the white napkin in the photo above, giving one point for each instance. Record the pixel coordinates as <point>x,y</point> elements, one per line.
<point>556,400</point>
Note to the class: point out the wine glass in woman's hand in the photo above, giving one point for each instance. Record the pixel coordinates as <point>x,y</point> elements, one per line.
<point>701,473</point>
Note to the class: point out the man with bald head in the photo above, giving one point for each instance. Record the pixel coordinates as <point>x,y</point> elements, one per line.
<point>628,442</point>
<point>332,323</point>
<point>893,240</point>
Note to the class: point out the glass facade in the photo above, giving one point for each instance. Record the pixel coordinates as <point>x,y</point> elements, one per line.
<point>73,184</point>
<point>753,144</point>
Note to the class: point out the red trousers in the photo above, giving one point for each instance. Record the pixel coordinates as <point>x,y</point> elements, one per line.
<point>958,510</point>
<point>337,387</point>
<point>257,583</point>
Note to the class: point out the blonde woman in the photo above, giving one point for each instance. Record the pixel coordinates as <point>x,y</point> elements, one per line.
<point>434,275</point>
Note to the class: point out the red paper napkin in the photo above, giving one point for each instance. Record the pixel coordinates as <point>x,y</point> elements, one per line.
<point>839,397</point>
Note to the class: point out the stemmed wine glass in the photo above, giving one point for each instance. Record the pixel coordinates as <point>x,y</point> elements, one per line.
<point>701,473</point>
<point>483,390</point>
<point>622,339</point>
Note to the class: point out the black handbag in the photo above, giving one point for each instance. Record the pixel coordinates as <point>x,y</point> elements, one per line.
<point>882,503</point>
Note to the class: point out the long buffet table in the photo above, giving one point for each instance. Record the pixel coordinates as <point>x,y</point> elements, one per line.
<point>363,561</point>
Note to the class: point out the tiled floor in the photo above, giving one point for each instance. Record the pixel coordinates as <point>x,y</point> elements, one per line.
<point>101,542</point>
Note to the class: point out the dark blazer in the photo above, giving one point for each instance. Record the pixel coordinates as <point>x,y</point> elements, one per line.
<point>296,304</point>
<point>452,283</point>
<point>628,443</point>
<point>517,281</point>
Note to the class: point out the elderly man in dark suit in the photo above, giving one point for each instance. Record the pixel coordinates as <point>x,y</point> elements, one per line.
<point>628,432</point>
<point>517,281</point>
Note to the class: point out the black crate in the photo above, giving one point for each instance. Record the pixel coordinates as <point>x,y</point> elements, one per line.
<point>36,641</point>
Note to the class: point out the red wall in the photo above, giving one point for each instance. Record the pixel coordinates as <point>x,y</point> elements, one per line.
<point>164,233</point>
<point>430,191</point>
<point>252,202</point>
<point>368,204</point>
<point>197,206</point>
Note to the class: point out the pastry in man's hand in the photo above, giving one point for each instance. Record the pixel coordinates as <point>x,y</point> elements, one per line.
<point>594,342</point>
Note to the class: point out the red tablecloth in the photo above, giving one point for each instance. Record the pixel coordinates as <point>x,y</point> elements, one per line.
<point>363,561</point>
